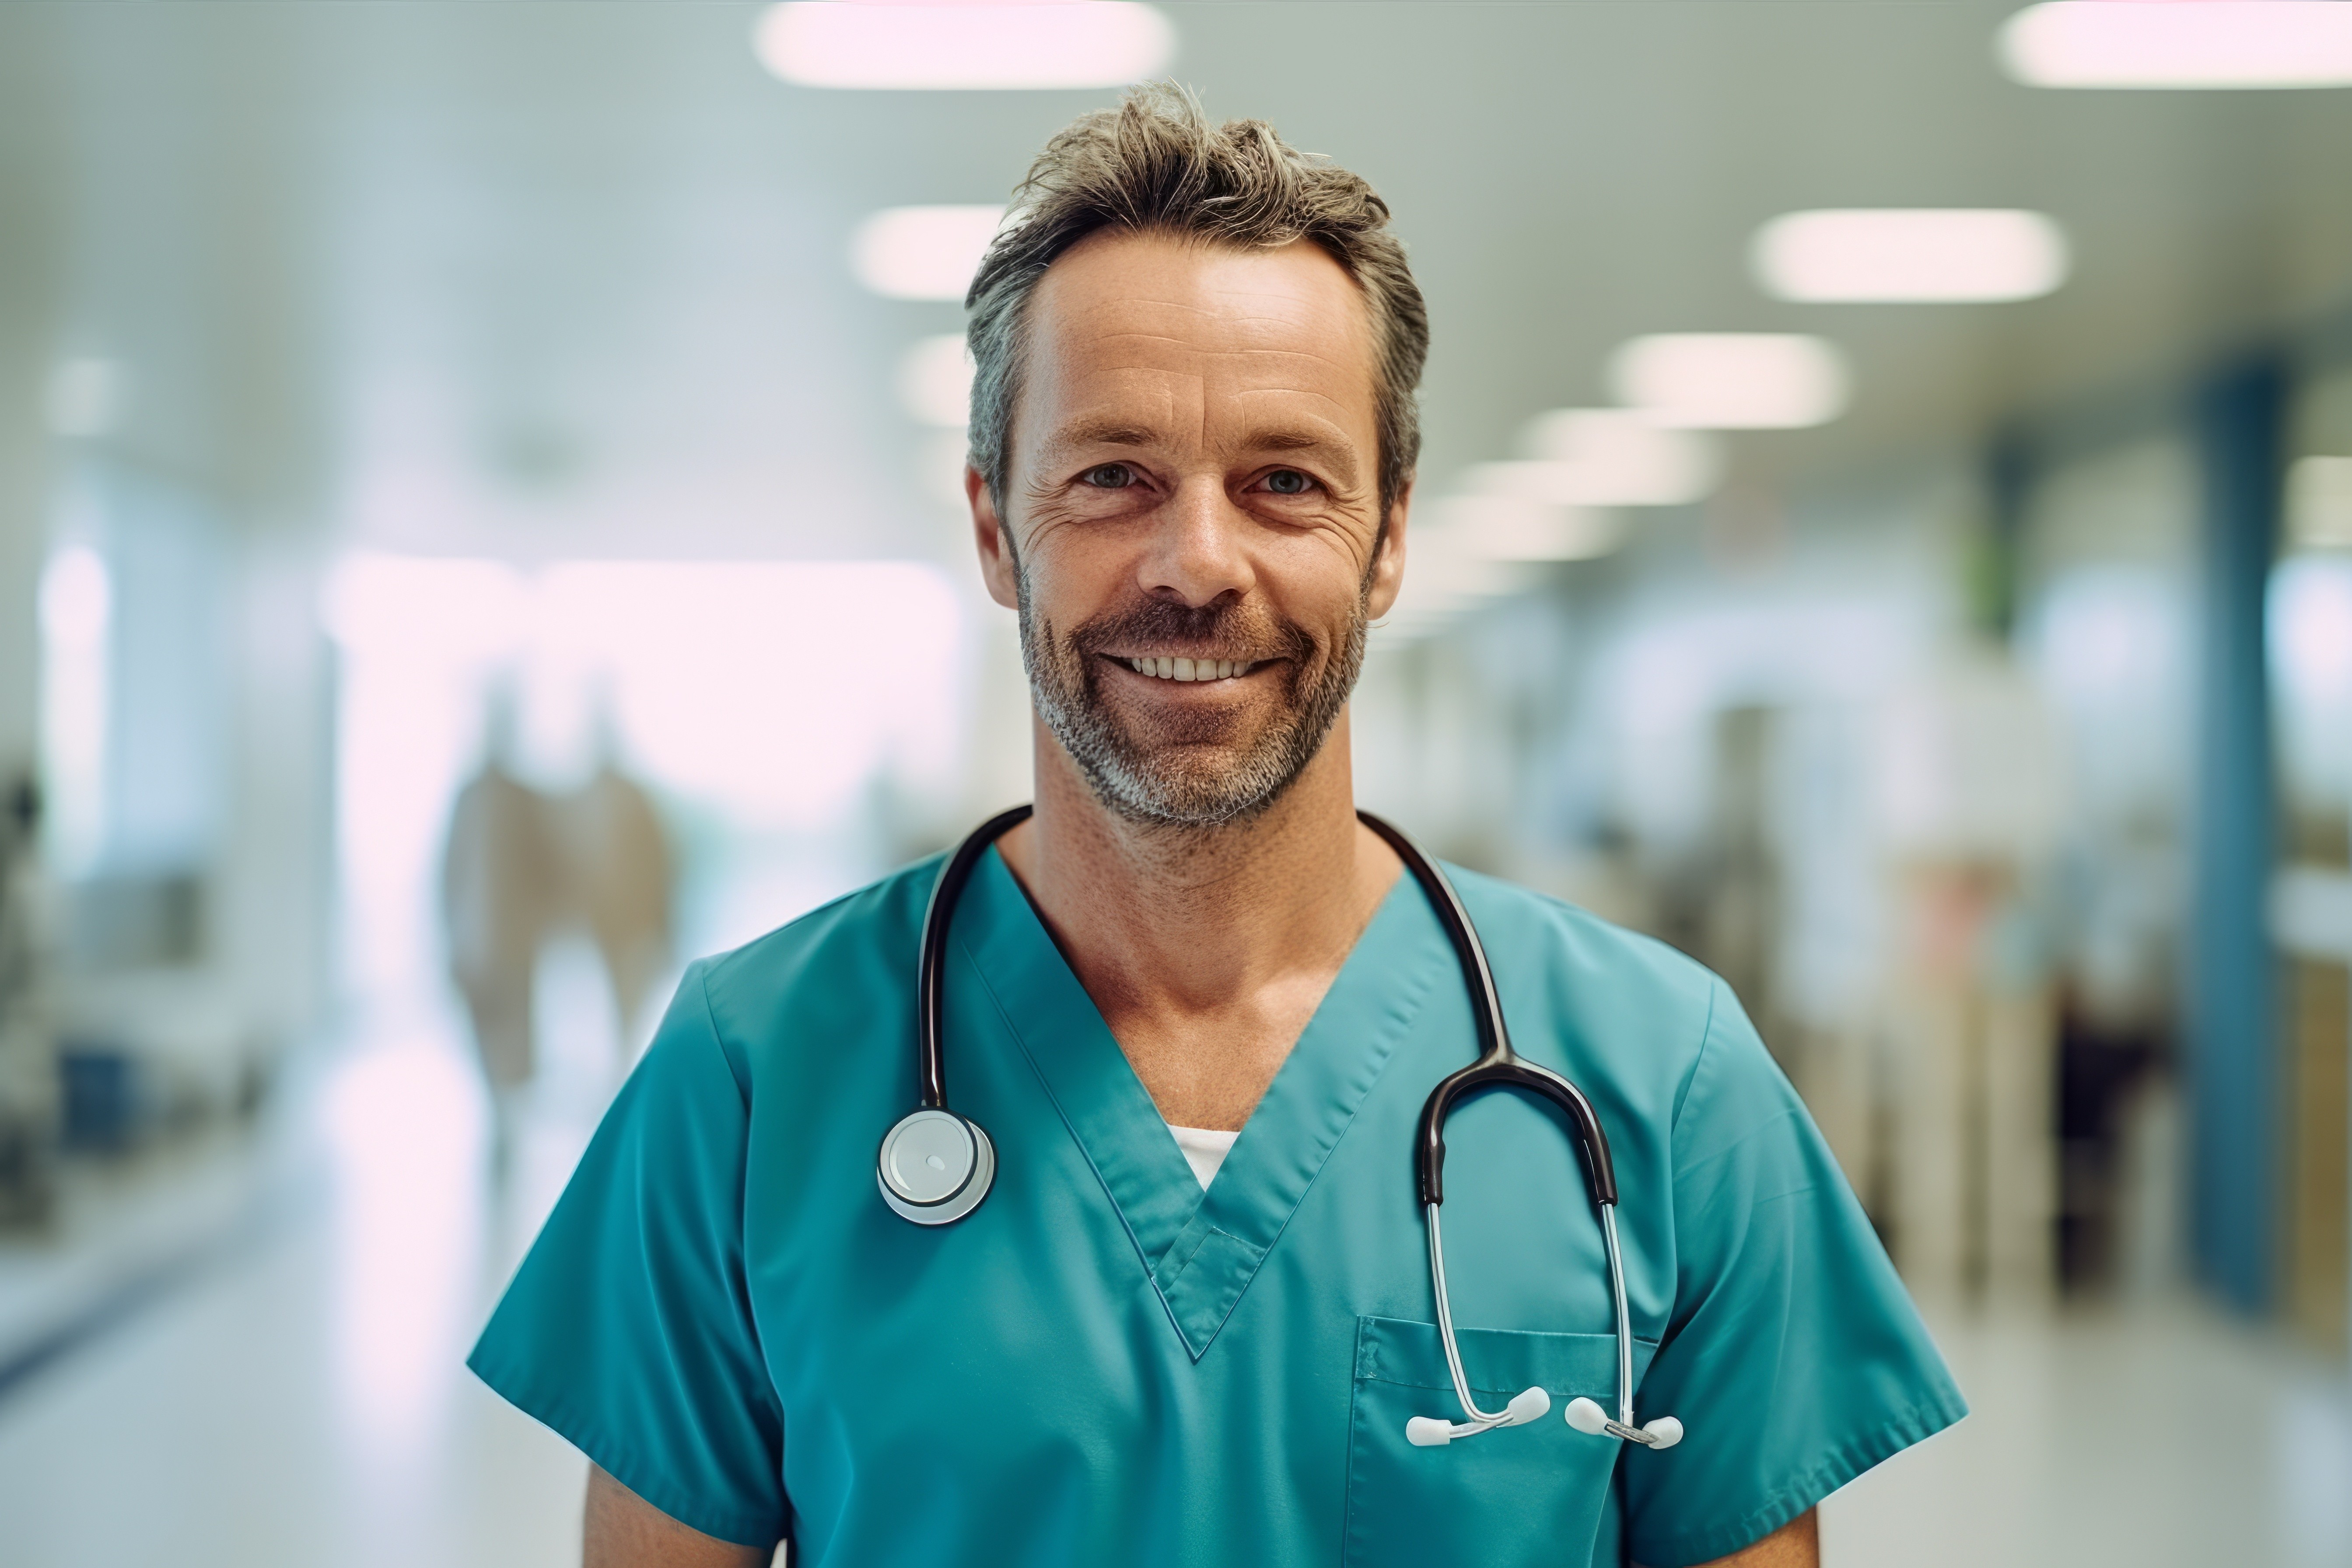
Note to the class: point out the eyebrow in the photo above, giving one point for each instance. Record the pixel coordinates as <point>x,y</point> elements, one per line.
<point>1271,438</point>
<point>1105,433</point>
<point>1289,438</point>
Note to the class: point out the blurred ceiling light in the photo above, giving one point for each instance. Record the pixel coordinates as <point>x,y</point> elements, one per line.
<point>1604,456</point>
<point>85,396</point>
<point>1731,381</point>
<point>1927,254</point>
<point>2179,43</point>
<point>77,598</point>
<point>923,253</point>
<point>1069,44</point>
<point>1515,527</point>
<point>935,381</point>
<point>76,611</point>
<point>2319,503</point>
<point>1444,575</point>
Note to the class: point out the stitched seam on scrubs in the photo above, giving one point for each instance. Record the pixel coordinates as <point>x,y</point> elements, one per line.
<point>1802,1491</point>
<point>1201,1310</point>
<point>1348,1512</point>
<point>1445,1384</point>
<point>1787,1113</point>
<point>1171,1266</point>
<point>1705,1041</point>
<point>727,1054</point>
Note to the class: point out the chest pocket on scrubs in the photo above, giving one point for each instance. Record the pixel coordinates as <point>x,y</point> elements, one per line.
<point>1533,1494</point>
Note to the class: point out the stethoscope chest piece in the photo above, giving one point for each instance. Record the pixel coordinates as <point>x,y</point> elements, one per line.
<point>935,1167</point>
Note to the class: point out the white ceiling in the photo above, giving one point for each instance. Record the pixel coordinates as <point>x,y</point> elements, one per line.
<point>548,279</point>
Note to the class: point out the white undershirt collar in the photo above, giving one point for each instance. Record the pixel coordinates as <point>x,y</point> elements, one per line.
<point>1204,1150</point>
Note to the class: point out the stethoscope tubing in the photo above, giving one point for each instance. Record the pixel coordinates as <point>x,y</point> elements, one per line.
<point>931,976</point>
<point>1500,1067</point>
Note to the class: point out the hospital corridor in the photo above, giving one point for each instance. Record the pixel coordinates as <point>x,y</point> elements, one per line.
<point>485,527</point>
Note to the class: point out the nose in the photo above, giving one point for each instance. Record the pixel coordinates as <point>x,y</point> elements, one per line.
<point>1197,554</point>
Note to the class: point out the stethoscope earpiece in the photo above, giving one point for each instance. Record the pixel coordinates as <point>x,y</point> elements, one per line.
<point>1500,1067</point>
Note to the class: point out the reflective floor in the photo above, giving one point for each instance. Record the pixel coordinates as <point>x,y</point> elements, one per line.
<point>298,1399</point>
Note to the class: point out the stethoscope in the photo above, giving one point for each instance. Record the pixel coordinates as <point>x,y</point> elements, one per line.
<point>936,1164</point>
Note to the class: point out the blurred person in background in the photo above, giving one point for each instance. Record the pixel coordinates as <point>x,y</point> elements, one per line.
<point>501,891</point>
<point>1199,1006</point>
<point>28,1050</point>
<point>618,866</point>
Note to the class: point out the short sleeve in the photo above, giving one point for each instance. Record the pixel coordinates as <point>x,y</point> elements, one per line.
<point>1793,1356</point>
<point>628,1329</point>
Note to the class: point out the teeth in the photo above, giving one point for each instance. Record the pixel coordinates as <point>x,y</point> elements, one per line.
<point>1189,668</point>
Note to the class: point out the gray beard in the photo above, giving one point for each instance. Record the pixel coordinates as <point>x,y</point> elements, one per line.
<point>1151,788</point>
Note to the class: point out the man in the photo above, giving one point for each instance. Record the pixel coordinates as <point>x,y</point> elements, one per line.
<point>1192,448</point>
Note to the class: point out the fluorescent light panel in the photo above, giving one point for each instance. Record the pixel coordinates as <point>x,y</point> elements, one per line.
<point>1917,254</point>
<point>1076,44</point>
<point>1443,577</point>
<point>1513,528</point>
<point>1604,456</point>
<point>2180,44</point>
<point>923,253</point>
<point>1731,381</point>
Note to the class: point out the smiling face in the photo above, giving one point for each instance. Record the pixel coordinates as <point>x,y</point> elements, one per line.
<point>1192,524</point>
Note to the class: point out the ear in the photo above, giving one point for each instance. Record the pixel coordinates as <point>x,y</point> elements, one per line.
<point>996,565</point>
<point>1388,566</point>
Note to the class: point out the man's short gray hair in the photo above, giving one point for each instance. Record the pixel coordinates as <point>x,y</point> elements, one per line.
<point>1155,165</point>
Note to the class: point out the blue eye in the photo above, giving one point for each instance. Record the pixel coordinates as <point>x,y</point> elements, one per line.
<point>1288,482</point>
<point>1108,477</point>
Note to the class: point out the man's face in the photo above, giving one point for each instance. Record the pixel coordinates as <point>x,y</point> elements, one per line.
<point>1191,518</point>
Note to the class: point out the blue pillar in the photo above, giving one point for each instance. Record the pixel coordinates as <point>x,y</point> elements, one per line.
<point>2229,974</point>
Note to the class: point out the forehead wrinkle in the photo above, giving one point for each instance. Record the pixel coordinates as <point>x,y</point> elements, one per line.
<point>1219,353</point>
<point>1143,337</point>
<point>1291,314</point>
<point>1335,418</point>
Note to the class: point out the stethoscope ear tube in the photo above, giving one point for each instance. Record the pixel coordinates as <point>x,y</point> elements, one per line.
<point>1512,1072</point>
<point>1499,1066</point>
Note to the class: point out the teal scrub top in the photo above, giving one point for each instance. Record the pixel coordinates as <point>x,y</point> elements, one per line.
<point>1102,1363</point>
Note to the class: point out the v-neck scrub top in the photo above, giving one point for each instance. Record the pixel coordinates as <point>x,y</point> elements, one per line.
<point>1105,1363</point>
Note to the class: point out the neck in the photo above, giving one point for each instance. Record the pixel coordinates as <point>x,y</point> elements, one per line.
<point>1196,940</point>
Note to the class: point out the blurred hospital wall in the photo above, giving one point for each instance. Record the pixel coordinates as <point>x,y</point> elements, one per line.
<point>1884,527</point>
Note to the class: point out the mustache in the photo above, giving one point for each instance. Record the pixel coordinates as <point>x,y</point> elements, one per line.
<point>1232,630</point>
